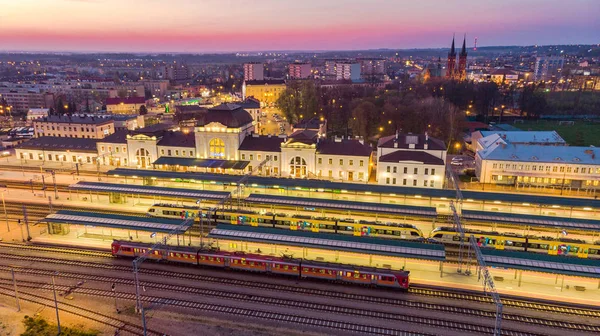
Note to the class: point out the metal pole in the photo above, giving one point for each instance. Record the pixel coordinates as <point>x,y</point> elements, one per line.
<point>144,322</point>
<point>26,219</point>
<point>44,185</point>
<point>12,271</point>
<point>138,303</point>
<point>114,289</point>
<point>31,183</point>
<point>5,214</point>
<point>54,181</point>
<point>50,204</point>
<point>56,304</point>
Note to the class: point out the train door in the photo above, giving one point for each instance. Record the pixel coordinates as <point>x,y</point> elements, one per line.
<point>553,248</point>
<point>314,227</point>
<point>583,251</point>
<point>500,242</point>
<point>357,230</point>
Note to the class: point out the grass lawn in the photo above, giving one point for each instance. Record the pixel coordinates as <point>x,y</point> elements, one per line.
<point>589,131</point>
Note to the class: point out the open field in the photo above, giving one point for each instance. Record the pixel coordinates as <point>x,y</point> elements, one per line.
<point>581,133</point>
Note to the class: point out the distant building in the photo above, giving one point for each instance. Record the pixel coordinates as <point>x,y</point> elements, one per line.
<point>347,71</point>
<point>125,105</point>
<point>254,71</point>
<point>75,126</point>
<point>504,76</point>
<point>372,67</point>
<point>175,71</point>
<point>22,100</point>
<point>548,66</point>
<point>299,70</point>
<point>266,91</point>
<point>411,160</point>
<point>313,124</point>
<point>128,122</point>
<point>158,88</point>
<point>252,106</point>
<point>36,113</point>
<point>330,67</point>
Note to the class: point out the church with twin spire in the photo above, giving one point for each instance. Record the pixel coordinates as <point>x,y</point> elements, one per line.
<point>452,70</point>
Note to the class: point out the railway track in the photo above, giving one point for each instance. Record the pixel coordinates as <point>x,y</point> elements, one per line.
<point>120,325</point>
<point>265,314</point>
<point>424,291</point>
<point>300,304</point>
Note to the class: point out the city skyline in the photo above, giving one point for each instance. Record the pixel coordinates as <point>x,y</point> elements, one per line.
<point>240,25</point>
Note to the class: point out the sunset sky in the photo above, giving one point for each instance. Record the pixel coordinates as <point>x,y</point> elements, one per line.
<point>251,25</point>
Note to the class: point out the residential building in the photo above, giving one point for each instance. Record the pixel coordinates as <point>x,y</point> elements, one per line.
<point>330,67</point>
<point>36,113</point>
<point>75,126</point>
<point>125,105</point>
<point>300,70</point>
<point>266,91</point>
<point>21,100</point>
<point>519,165</point>
<point>547,67</point>
<point>254,71</point>
<point>411,160</point>
<point>128,122</point>
<point>347,71</point>
<point>158,88</point>
<point>372,67</point>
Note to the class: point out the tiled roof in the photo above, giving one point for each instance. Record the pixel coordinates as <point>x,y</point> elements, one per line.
<point>250,103</point>
<point>230,115</point>
<point>178,139</point>
<point>119,137</point>
<point>262,143</point>
<point>403,141</point>
<point>417,156</point>
<point>349,147</point>
<point>61,144</point>
<point>130,100</point>
<point>76,119</point>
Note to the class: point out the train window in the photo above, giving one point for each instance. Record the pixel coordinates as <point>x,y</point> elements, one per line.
<point>295,268</point>
<point>219,259</point>
<point>330,272</point>
<point>413,233</point>
<point>252,263</point>
<point>455,238</point>
<point>438,235</point>
<point>518,244</point>
<point>322,271</point>
<point>533,245</point>
<point>544,246</point>
<point>356,276</point>
<point>397,233</point>
<point>151,210</point>
<point>304,269</point>
<point>210,258</point>
<point>593,251</point>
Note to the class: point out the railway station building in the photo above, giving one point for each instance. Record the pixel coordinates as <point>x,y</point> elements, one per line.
<point>223,141</point>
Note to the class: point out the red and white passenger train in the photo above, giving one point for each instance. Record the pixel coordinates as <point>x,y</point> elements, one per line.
<point>264,264</point>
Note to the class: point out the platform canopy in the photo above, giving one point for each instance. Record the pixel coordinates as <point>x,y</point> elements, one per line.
<point>150,190</point>
<point>119,221</point>
<point>532,220</point>
<point>389,247</point>
<point>567,265</point>
<point>342,205</point>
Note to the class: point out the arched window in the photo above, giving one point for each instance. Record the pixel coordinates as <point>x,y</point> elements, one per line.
<point>216,148</point>
<point>143,158</point>
<point>297,167</point>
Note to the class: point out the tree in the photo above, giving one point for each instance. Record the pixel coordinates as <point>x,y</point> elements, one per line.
<point>143,110</point>
<point>298,101</point>
<point>87,106</point>
<point>60,107</point>
<point>364,119</point>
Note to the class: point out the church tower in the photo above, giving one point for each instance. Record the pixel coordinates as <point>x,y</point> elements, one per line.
<point>462,61</point>
<point>451,66</point>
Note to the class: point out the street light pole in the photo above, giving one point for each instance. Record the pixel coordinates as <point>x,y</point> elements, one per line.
<point>54,181</point>
<point>56,304</point>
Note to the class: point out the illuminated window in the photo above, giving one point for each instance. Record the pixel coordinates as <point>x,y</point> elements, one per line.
<point>298,167</point>
<point>217,148</point>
